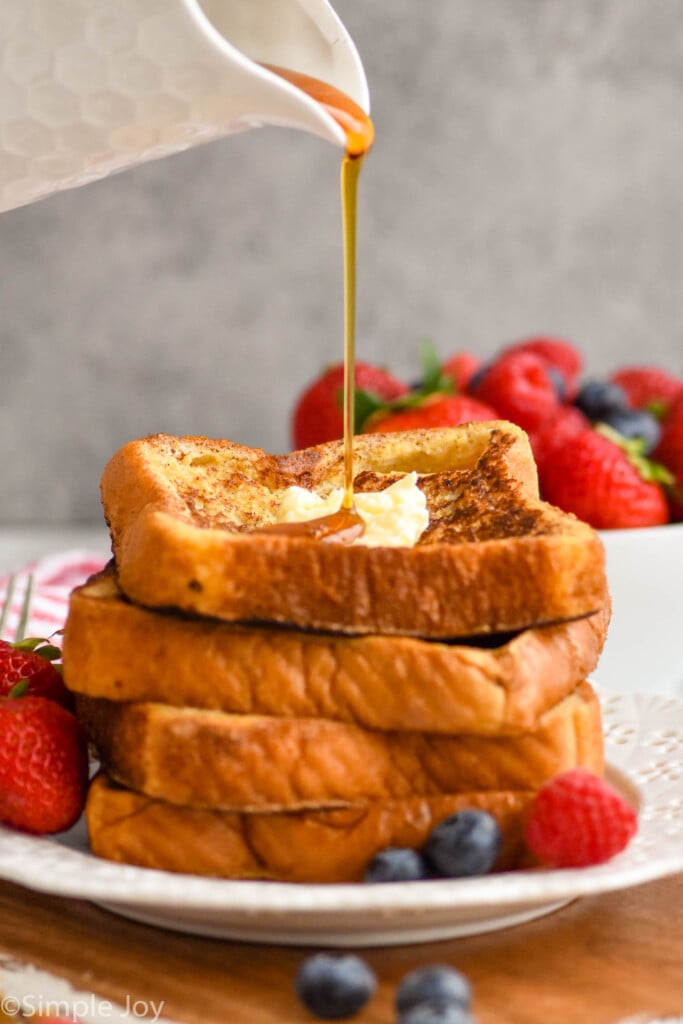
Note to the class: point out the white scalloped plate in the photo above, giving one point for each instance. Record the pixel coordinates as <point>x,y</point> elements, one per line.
<point>644,743</point>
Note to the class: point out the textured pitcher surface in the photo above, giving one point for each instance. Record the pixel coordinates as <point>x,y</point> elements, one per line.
<point>88,87</point>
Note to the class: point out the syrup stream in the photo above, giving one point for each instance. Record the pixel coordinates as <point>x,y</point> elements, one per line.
<point>345,525</point>
<point>350,172</point>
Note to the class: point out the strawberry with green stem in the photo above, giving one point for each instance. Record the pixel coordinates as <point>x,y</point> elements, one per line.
<point>606,480</point>
<point>431,404</point>
<point>319,415</point>
<point>31,666</point>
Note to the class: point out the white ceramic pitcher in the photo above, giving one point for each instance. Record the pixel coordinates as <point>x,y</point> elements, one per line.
<point>90,87</point>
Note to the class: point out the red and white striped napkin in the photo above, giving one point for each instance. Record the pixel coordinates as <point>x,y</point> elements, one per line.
<point>55,576</point>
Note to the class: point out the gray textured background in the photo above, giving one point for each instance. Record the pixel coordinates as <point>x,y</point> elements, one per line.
<point>527,177</point>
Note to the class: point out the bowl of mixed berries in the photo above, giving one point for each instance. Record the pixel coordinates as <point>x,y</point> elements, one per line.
<point>608,450</point>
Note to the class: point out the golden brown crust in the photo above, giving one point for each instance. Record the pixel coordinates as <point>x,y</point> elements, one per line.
<point>122,652</point>
<point>216,760</point>
<point>184,515</point>
<point>312,846</point>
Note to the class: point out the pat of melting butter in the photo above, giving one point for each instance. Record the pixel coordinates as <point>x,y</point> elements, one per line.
<point>394,517</point>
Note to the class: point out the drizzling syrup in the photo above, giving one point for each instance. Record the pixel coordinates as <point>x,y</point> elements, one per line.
<point>345,525</point>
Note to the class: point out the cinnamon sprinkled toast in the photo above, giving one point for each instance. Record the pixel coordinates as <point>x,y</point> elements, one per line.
<point>185,515</point>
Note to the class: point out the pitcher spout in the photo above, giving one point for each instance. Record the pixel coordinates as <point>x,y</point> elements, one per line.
<point>108,87</point>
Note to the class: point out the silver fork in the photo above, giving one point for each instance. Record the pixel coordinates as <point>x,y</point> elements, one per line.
<point>20,631</point>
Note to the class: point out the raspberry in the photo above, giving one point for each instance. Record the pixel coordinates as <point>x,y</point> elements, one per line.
<point>648,385</point>
<point>520,387</point>
<point>561,355</point>
<point>319,417</point>
<point>460,368</point>
<point>596,480</point>
<point>577,819</point>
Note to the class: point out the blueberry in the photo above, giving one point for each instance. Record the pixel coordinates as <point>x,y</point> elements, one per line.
<point>334,987</point>
<point>635,423</point>
<point>436,1013</point>
<point>396,864</point>
<point>477,377</point>
<point>466,843</point>
<point>436,985</point>
<point>599,397</point>
<point>558,382</point>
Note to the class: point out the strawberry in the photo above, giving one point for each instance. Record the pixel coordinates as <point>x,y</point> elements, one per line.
<point>555,432</point>
<point>433,411</point>
<point>43,765</point>
<point>29,662</point>
<point>558,354</point>
<point>669,452</point>
<point>54,1020</point>
<point>318,415</point>
<point>601,479</point>
<point>520,386</point>
<point>460,368</point>
<point>648,386</point>
<point>577,820</point>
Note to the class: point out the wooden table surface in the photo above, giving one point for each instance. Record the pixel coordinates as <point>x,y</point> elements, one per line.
<point>596,961</point>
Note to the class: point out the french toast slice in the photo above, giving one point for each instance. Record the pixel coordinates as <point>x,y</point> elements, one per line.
<point>119,651</point>
<point>312,846</point>
<point>217,760</point>
<point>185,517</point>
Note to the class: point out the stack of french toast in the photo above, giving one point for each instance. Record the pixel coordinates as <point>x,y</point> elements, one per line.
<point>275,706</point>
